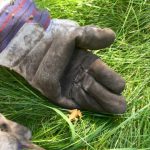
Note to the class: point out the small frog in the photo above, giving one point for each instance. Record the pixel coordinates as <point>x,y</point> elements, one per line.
<point>75,114</point>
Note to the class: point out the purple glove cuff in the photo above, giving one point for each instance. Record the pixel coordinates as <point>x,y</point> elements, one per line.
<point>13,17</point>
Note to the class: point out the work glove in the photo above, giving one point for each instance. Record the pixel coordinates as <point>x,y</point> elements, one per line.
<point>14,136</point>
<point>42,58</point>
<point>92,85</point>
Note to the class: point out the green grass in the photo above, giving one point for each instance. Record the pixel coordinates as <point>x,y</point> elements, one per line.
<point>129,55</point>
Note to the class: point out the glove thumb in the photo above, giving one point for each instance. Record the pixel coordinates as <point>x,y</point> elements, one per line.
<point>90,37</point>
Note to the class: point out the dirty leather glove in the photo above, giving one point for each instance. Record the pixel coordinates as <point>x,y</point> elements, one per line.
<point>93,85</point>
<point>41,57</point>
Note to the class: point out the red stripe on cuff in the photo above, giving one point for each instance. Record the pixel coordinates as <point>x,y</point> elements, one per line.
<point>15,10</point>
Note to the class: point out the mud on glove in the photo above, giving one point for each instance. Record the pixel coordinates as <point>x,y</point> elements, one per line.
<point>93,85</point>
<point>41,57</point>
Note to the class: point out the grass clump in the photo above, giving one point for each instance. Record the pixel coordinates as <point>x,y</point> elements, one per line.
<point>129,55</point>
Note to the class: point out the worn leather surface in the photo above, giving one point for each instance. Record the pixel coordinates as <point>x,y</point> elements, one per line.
<point>42,58</point>
<point>93,85</point>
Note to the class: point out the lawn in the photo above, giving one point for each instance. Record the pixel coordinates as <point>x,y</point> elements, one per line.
<point>129,55</point>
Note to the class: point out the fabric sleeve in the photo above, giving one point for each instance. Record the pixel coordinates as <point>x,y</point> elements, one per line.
<point>16,15</point>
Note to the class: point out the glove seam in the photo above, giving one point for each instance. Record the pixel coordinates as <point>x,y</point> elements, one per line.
<point>41,62</point>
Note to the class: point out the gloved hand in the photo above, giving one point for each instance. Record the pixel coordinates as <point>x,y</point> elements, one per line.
<point>92,85</point>
<point>14,136</point>
<point>41,57</point>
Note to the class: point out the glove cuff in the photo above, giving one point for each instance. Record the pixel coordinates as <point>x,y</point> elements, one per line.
<point>79,64</point>
<point>21,45</point>
<point>16,15</point>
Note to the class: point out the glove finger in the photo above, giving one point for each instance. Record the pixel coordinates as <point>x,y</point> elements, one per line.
<point>89,37</point>
<point>107,77</point>
<point>111,102</point>
<point>85,101</point>
<point>66,103</point>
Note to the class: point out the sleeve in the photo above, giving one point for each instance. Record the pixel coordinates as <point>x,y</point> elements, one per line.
<point>16,15</point>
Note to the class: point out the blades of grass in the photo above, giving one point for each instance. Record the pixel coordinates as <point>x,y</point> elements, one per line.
<point>84,140</point>
<point>123,124</point>
<point>52,108</point>
<point>65,118</point>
